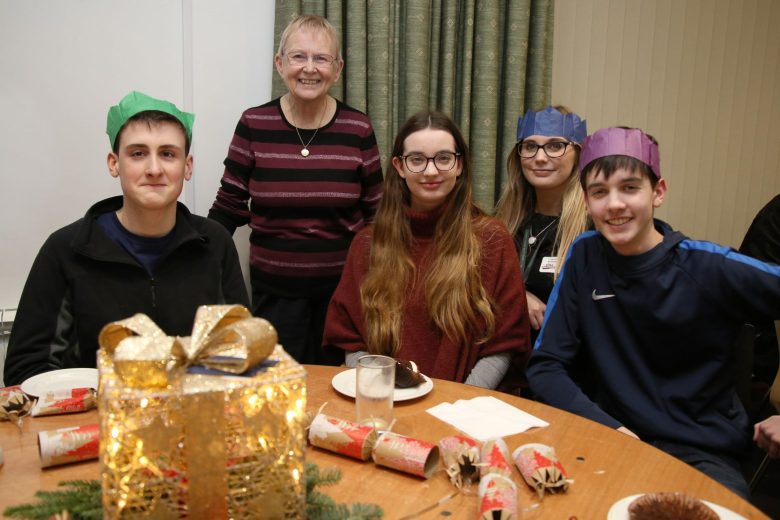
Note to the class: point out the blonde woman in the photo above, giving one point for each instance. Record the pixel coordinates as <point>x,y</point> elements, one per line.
<point>542,203</point>
<point>433,280</point>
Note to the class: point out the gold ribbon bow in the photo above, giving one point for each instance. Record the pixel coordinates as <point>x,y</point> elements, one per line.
<point>224,337</point>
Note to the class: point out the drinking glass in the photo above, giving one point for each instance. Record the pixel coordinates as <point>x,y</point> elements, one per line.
<point>374,390</point>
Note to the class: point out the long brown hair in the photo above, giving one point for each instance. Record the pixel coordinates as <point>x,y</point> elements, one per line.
<point>518,202</point>
<point>458,303</point>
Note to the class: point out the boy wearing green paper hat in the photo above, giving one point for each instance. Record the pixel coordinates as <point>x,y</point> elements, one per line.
<point>142,251</point>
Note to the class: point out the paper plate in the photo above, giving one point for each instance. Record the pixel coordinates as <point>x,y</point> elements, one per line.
<point>64,379</point>
<point>619,510</point>
<point>344,383</point>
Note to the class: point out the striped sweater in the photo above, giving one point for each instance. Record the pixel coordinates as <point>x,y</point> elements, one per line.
<point>303,211</point>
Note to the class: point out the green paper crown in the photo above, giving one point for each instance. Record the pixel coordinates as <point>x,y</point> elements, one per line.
<point>136,102</point>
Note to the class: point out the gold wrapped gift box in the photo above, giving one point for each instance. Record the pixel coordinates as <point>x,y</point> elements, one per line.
<point>175,441</point>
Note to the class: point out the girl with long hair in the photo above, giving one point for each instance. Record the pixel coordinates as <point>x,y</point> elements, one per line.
<point>433,280</point>
<point>542,203</point>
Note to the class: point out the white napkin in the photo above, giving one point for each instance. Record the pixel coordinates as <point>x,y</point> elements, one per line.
<point>484,418</point>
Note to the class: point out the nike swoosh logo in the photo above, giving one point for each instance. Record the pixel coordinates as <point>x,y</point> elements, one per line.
<point>597,297</point>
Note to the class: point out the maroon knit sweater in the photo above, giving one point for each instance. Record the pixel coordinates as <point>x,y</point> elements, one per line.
<point>421,340</point>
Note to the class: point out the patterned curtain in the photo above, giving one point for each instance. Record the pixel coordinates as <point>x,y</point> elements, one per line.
<point>482,62</point>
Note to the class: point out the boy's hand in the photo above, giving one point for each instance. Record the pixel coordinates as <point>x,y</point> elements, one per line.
<point>628,432</point>
<point>536,308</point>
<point>767,435</point>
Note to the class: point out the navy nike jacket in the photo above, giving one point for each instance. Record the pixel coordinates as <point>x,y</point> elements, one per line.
<point>657,332</point>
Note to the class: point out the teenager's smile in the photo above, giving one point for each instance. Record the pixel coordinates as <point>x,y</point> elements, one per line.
<point>543,173</point>
<point>431,185</point>
<point>622,209</point>
<point>618,221</point>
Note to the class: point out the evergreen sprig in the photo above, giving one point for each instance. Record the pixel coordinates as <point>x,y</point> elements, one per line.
<point>81,499</point>
<point>322,507</point>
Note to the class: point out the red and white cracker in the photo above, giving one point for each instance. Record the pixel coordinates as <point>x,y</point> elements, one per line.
<point>65,401</point>
<point>14,404</point>
<point>342,436</point>
<point>406,454</point>
<point>541,468</point>
<point>497,497</point>
<point>461,458</point>
<point>68,445</point>
<point>495,458</point>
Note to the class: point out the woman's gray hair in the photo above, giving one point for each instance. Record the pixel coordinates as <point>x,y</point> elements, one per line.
<point>314,23</point>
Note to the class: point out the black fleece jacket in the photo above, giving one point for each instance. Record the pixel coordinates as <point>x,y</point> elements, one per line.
<point>81,280</point>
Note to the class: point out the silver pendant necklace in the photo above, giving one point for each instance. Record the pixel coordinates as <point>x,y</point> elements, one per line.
<point>305,150</point>
<point>533,238</point>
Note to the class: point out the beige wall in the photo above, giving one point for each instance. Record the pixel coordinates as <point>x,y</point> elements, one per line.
<point>702,76</point>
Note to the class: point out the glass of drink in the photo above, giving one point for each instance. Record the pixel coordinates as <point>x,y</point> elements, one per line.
<point>375,386</point>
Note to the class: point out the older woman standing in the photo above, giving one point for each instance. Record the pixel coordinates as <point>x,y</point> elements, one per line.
<point>303,171</point>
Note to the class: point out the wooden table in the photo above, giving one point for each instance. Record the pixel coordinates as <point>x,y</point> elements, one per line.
<point>605,465</point>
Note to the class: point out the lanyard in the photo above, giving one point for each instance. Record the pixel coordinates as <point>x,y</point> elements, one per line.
<point>524,247</point>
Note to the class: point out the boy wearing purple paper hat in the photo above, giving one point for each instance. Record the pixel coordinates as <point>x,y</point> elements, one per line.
<point>142,251</point>
<point>654,313</point>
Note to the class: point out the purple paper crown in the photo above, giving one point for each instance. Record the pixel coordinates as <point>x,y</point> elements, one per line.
<point>621,141</point>
<point>550,122</point>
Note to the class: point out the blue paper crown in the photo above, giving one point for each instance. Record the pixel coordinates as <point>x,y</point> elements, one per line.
<point>550,122</point>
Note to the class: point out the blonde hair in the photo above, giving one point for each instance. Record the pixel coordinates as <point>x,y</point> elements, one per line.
<point>518,202</point>
<point>457,301</point>
<point>310,22</point>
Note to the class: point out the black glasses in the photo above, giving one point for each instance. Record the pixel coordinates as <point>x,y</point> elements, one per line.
<point>553,149</point>
<point>443,161</point>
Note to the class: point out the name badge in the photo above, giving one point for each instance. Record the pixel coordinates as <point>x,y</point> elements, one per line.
<point>549,263</point>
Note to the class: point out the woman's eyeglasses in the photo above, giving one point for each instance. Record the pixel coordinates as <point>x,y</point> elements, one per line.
<point>443,161</point>
<point>300,59</point>
<point>553,149</point>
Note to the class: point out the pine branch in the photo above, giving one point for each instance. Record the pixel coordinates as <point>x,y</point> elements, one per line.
<point>82,500</point>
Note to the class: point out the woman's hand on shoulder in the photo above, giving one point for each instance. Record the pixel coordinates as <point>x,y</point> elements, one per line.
<point>536,308</point>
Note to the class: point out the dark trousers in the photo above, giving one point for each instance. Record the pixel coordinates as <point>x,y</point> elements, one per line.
<point>299,323</point>
<point>720,467</point>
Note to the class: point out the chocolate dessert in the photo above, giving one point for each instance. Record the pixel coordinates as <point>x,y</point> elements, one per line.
<point>669,506</point>
<point>407,375</point>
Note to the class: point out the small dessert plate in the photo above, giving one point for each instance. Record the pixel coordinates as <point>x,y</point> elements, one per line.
<point>64,379</point>
<point>344,383</point>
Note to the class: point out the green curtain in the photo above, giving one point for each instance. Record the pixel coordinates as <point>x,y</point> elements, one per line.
<point>482,62</point>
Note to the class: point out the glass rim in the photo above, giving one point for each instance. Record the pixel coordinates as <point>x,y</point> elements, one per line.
<point>382,361</point>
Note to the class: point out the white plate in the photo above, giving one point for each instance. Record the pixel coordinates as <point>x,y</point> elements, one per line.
<point>619,510</point>
<point>64,379</point>
<point>344,382</point>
